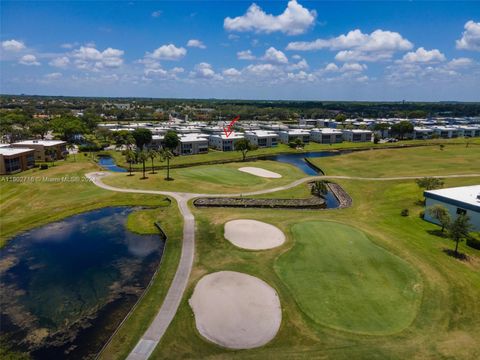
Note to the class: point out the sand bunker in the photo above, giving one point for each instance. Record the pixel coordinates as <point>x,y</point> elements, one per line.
<point>236,310</point>
<point>260,172</point>
<point>253,235</point>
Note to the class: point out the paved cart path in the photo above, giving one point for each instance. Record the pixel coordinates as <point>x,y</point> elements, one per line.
<point>167,311</point>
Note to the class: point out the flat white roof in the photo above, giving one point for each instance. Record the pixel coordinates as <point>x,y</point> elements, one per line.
<point>327,131</point>
<point>358,131</point>
<point>231,136</point>
<point>13,151</point>
<point>40,142</point>
<point>261,133</point>
<point>464,194</point>
<point>193,138</point>
<point>297,132</point>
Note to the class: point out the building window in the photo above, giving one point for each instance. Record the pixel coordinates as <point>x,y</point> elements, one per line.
<point>461,211</point>
<point>30,160</point>
<point>12,165</point>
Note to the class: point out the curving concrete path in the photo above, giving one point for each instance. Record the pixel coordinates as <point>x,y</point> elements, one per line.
<point>167,311</point>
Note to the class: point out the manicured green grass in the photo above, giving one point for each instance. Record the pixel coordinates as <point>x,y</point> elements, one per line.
<point>220,178</point>
<point>447,322</point>
<point>342,280</point>
<point>430,160</point>
<point>214,155</point>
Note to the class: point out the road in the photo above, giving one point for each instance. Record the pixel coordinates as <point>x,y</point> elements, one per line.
<point>167,311</point>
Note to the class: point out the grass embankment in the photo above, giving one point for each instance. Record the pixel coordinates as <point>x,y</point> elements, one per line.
<point>133,328</point>
<point>342,280</point>
<point>215,155</point>
<point>36,197</point>
<point>221,178</point>
<point>423,161</point>
<point>447,321</point>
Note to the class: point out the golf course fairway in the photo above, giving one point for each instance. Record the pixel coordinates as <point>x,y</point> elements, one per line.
<point>340,279</point>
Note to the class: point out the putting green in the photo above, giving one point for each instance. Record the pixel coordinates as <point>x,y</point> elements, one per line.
<point>340,279</point>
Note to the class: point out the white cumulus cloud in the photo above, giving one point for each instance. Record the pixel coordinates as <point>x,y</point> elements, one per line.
<point>13,45</point>
<point>60,62</point>
<point>168,52</point>
<point>204,71</point>
<point>232,72</point>
<point>293,21</point>
<point>245,55</point>
<point>275,56</point>
<point>29,60</point>
<point>357,46</point>
<point>470,39</point>
<point>90,58</point>
<point>196,43</point>
<point>423,56</point>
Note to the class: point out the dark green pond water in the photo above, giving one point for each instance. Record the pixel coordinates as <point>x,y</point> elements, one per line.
<point>66,286</point>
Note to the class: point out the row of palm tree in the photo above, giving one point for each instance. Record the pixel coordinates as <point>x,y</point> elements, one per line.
<point>143,156</point>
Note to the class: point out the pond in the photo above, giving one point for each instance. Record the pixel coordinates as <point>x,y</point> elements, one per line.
<point>66,286</point>
<point>109,164</point>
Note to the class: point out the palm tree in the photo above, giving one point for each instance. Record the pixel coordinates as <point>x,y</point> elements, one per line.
<point>167,155</point>
<point>152,154</point>
<point>143,156</point>
<point>131,157</point>
<point>319,188</point>
<point>71,147</point>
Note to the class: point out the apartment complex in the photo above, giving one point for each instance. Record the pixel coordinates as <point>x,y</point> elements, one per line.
<point>262,138</point>
<point>13,160</point>
<point>326,136</point>
<point>45,150</point>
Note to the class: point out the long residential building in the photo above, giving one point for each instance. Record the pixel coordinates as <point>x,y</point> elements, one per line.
<point>223,143</point>
<point>262,138</point>
<point>357,135</point>
<point>14,160</point>
<point>293,134</point>
<point>45,150</point>
<point>191,144</point>
<point>326,136</point>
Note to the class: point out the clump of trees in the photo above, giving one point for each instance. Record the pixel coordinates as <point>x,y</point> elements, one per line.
<point>401,129</point>
<point>244,146</point>
<point>319,188</point>
<point>142,137</point>
<point>296,144</point>
<point>457,230</point>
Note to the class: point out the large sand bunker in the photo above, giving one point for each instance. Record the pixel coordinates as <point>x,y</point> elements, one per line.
<point>253,235</point>
<point>236,310</point>
<point>260,172</point>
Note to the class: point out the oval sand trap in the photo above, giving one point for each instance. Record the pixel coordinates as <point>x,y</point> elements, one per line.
<point>236,310</point>
<point>260,172</point>
<point>253,235</point>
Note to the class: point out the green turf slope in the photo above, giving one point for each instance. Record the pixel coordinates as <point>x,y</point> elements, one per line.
<point>340,279</point>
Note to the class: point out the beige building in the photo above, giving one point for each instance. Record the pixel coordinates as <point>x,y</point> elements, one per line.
<point>43,147</point>
<point>13,160</point>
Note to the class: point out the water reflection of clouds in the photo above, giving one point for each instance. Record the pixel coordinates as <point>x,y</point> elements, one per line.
<point>141,245</point>
<point>55,232</point>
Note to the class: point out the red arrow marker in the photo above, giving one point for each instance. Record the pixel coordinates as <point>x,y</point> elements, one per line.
<point>228,130</point>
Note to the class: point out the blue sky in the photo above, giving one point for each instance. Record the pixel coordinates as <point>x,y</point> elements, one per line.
<point>240,49</point>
